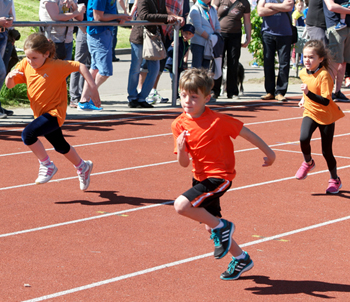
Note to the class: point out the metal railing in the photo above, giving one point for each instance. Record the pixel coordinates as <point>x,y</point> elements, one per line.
<point>115,23</point>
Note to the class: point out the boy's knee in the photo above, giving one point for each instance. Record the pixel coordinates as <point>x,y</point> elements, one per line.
<point>181,205</point>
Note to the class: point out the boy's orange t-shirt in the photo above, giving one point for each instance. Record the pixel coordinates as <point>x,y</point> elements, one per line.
<point>209,143</point>
<point>46,86</point>
<point>320,83</point>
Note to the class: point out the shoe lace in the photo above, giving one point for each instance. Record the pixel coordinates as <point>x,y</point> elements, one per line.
<point>232,266</point>
<point>83,175</point>
<point>215,237</point>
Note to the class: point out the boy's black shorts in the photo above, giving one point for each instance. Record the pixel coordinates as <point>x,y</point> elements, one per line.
<point>206,194</point>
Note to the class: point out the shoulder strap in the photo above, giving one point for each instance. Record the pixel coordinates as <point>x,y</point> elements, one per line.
<point>227,11</point>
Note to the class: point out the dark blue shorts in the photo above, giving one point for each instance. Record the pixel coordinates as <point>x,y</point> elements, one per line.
<point>206,194</point>
<point>46,125</point>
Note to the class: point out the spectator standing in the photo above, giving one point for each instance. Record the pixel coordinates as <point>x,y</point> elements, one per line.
<point>230,14</point>
<point>99,40</point>
<point>315,21</point>
<point>204,18</point>
<point>6,19</point>
<point>339,42</point>
<point>115,32</point>
<point>153,11</point>
<point>61,10</point>
<point>83,56</point>
<point>276,36</point>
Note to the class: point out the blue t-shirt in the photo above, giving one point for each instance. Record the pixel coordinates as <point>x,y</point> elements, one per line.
<point>333,18</point>
<point>106,6</point>
<point>278,24</point>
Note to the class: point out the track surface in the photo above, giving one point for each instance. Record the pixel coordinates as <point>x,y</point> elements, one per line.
<point>122,240</point>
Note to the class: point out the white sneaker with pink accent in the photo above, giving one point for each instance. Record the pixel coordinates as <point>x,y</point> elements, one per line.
<point>46,173</point>
<point>84,176</point>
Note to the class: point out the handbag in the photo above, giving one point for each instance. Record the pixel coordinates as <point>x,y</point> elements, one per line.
<point>153,46</point>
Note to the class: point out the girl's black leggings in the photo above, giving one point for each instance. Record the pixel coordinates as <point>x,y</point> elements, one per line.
<point>308,127</point>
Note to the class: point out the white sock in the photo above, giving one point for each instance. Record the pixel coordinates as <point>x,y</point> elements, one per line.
<point>342,20</point>
<point>241,256</point>
<point>220,225</point>
<point>81,166</point>
<point>46,161</point>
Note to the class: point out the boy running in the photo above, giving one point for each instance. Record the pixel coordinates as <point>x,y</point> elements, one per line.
<point>205,136</point>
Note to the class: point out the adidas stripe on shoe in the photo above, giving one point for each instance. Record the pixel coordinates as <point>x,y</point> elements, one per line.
<point>237,267</point>
<point>222,239</point>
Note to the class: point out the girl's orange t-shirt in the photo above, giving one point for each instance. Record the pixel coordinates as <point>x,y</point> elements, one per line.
<point>46,86</point>
<point>320,83</point>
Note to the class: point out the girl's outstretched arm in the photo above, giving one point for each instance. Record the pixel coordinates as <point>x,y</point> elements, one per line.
<point>9,81</point>
<point>92,92</point>
<point>258,142</point>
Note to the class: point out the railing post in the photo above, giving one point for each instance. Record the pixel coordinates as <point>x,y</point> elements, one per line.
<point>175,63</point>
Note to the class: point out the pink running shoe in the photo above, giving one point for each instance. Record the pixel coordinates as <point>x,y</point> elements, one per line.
<point>304,169</point>
<point>334,185</point>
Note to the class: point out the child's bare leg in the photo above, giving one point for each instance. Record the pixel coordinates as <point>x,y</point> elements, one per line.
<point>39,150</point>
<point>73,156</point>
<point>183,207</point>
<point>235,250</point>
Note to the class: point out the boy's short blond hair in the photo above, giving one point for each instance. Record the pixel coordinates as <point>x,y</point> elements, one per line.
<point>193,79</point>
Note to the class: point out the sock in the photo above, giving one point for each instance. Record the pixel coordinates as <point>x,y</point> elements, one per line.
<point>342,21</point>
<point>241,256</point>
<point>81,166</point>
<point>46,161</point>
<point>220,225</point>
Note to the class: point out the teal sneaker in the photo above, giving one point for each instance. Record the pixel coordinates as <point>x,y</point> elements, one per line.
<point>88,106</point>
<point>222,239</point>
<point>237,267</point>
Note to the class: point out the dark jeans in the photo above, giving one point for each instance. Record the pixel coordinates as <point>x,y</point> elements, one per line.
<point>281,44</point>
<point>198,60</point>
<point>46,125</point>
<point>115,40</point>
<point>232,46</point>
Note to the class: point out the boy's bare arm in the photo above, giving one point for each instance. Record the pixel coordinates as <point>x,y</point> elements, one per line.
<point>258,142</point>
<point>182,155</point>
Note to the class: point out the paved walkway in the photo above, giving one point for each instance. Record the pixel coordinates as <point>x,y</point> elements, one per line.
<point>114,96</point>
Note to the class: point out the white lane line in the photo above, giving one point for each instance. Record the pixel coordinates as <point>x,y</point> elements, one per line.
<point>85,219</point>
<point>140,137</point>
<point>152,206</point>
<point>150,165</point>
<point>176,263</point>
<point>313,154</point>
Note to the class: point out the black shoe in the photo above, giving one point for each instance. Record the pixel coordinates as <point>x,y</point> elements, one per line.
<point>133,104</point>
<point>339,96</point>
<point>237,267</point>
<point>7,112</point>
<point>2,113</point>
<point>115,59</point>
<point>145,105</point>
<point>222,239</point>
